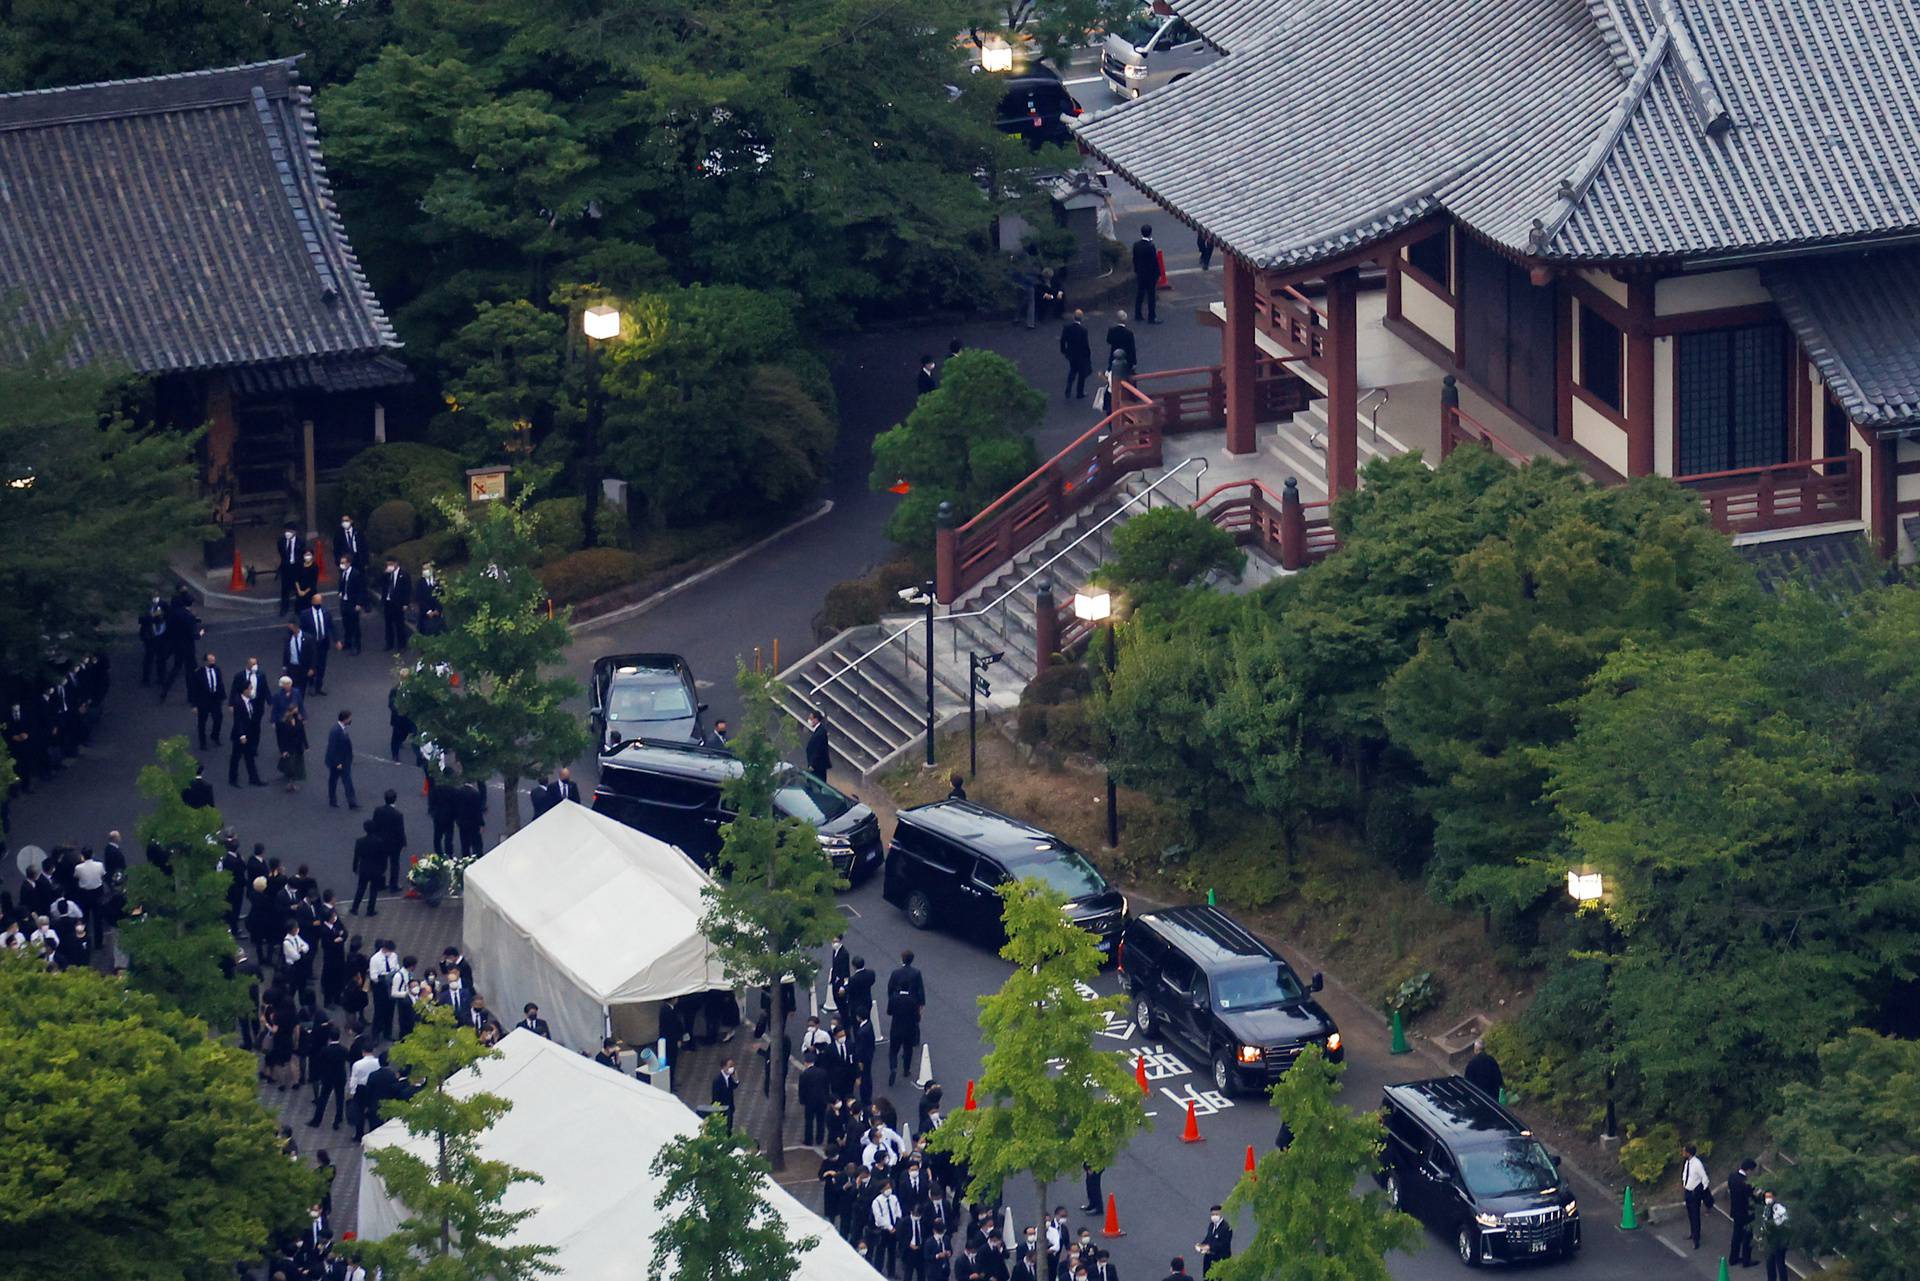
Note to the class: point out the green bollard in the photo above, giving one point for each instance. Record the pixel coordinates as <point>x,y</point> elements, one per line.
<point>1503,1096</point>
<point>1723,1269</point>
<point>1627,1222</point>
<point>1399,1045</point>
<point>1210,902</point>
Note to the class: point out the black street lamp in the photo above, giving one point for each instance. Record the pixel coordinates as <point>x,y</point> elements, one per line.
<point>599,324</point>
<point>1588,889</point>
<point>1096,607</point>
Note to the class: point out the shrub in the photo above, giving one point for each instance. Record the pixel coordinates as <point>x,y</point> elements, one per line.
<point>1414,994</point>
<point>441,546</point>
<point>894,576</point>
<point>1647,1153</point>
<point>1061,683</point>
<point>392,523</point>
<point>582,574</point>
<point>852,604</point>
<point>417,473</point>
<point>1069,728</point>
<point>556,527</point>
<point>1169,547</point>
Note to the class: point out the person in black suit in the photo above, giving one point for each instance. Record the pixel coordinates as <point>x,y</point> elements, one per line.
<point>906,998</point>
<point>426,602</point>
<point>244,735</point>
<point>540,796</point>
<point>319,631</point>
<point>390,828</point>
<point>1120,340</point>
<point>349,545</point>
<point>564,788</point>
<point>442,801</point>
<point>726,1084</point>
<point>199,793</point>
<point>819,750</point>
<point>287,564</point>
<point>532,1022</point>
<point>864,1042</point>
<point>815,1087</point>
<point>1483,1070</point>
<point>399,722</point>
<point>1146,277</point>
<point>1217,1245</point>
<point>843,1070</point>
<point>306,580</point>
<point>1078,349</point>
<point>1740,1206</point>
<point>859,992</point>
<point>183,635</point>
<point>296,657</point>
<point>369,869</point>
<point>330,1077</point>
<point>396,593</point>
<point>925,381</point>
<point>839,967</point>
<point>352,599</point>
<point>207,693</point>
<point>470,815</point>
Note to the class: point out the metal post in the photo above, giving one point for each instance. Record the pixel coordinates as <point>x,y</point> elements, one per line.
<point>1613,1125</point>
<point>927,591</point>
<point>590,446</point>
<point>973,684</point>
<point>1113,800</point>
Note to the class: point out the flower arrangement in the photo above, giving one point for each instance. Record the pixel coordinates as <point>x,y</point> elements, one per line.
<point>432,875</point>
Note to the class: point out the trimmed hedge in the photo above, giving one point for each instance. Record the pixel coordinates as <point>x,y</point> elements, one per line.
<point>851,604</point>
<point>442,546</point>
<point>393,522</point>
<point>403,469</point>
<point>582,574</point>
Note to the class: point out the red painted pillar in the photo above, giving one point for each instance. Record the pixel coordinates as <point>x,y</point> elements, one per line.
<point>1238,355</point>
<point>946,556</point>
<point>1341,348</point>
<point>1640,409</point>
<point>1883,497</point>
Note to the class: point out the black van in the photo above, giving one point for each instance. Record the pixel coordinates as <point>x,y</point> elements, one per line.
<point>1467,1167</point>
<point>672,791</point>
<point>1036,106</point>
<point>1198,977</point>
<point>948,860</point>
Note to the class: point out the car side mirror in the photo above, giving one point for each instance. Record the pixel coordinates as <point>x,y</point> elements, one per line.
<point>1319,981</point>
<point>1555,1158</point>
<point>1200,1001</point>
<point>703,707</point>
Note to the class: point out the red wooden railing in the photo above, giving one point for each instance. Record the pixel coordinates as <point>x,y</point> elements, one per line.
<point>1287,530</point>
<point>1202,403</point>
<point>1782,496</point>
<point>1460,428</point>
<point>1290,318</point>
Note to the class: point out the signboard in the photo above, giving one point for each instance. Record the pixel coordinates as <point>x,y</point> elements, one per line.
<point>486,484</point>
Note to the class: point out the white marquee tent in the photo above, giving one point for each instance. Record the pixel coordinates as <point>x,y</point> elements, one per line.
<point>591,1133</point>
<point>593,921</point>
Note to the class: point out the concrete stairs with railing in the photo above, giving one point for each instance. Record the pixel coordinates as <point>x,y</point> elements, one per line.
<point>874,696</point>
<point>1301,445</point>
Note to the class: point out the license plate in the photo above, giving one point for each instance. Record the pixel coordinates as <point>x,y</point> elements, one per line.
<point>1105,945</point>
<point>1537,1247</point>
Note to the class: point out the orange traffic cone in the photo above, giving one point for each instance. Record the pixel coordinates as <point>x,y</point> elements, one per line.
<point>1140,1074</point>
<point>1250,1166</point>
<point>1161,254</point>
<point>1192,1132</point>
<point>454,680</point>
<point>1113,1219</point>
<point>237,582</point>
<point>426,788</point>
<point>970,1105</point>
<point>320,560</point>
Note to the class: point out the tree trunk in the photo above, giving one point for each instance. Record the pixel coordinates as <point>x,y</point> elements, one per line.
<point>510,803</point>
<point>1045,1214</point>
<point>777,1052</point>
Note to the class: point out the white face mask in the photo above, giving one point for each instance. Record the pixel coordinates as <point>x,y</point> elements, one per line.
<point>1214,1217</point>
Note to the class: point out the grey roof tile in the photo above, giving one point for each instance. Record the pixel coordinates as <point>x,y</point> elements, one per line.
<point>182,222</point>
<point>1834,565</point>
<point>1858,318</point>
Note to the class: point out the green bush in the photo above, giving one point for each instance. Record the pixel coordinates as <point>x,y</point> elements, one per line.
<point>1030,722</point>
<point>1413,994</point>
<point>852,604</point>
<point>1169,547</point>
<point>414,472</point>
<point>556,527</point>
<point>1069,727</point>
<point>441,546</point>
<point>1061,683</point>
<point>582,574</point>
<point>392,523</point>
<point>1647,1153</point>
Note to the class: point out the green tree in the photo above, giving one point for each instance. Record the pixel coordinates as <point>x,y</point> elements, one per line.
<point>966,442</point>
<point>455,1229</point>
<point>1854,1136</point>
<point>775,909</point>
<point>505,367</point>
<point>1049,1100</point>
<point>135,1145</point>
<point>92,505</point>
<point>1308,1225</point>
<point>1167,548</point>
<point>179,951</point>
<point>1055,27</point>
<point>505,716</point>
<point>721,1227</point>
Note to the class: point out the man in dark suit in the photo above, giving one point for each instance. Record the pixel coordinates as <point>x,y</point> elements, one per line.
<point>330,1077</point>
<point>859,992</point>
<point>726,1084</point>
<point>1120,340</point>
<point>839,968</point>
<point>925,381</point>
<point>244,734</point>
<point>399,723</point>
<point>369,868</point>
<point>348,545</point>
<point>382,1087</point>
<point>183,635</point>
<point>815,1087</point>
<point>1146,277</point>
<point>1078,349</point>
<point>340,761</point>
<point>470,815</point>
<point>1740,1206</point>
<point>843,1071</point>
<point>352,599</point>
<point>442,800</point>
<point>390,827</point>
<point>396,593</point>
<point>296,657</point>
<point>287,564</point>
<point>540,796</point>
<point>1217,1245</point>
<point>319,631</point>
<point>863,1041</point>
<point>199,793</point>
<point>564,788</point>
<point>457,995</point>
<point>906,998</point>
<point>532,1022</point>
<point>207,692</point>
<point>819,751</point>
<point>1483,1070</point>
<point>426,602</point>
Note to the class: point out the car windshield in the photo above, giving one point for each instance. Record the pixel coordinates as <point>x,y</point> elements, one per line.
<point>1140,28</point>
<point>1063,868</point>
<point>1504,1169</point>
<point>1251,989</point>
<point>648,696</point>
<point>801,795</point>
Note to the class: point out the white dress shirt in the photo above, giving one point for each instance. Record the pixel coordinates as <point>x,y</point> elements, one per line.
<point>90,875</point>
<point>886,1212</point>
<point>1693,1175</point>
<point>364,1068</point>
<point>293,948</point>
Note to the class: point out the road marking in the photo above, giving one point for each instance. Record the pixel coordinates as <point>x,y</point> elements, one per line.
<point>1670,1245</point>
<point>850,911</point>
<point>1083,80</point>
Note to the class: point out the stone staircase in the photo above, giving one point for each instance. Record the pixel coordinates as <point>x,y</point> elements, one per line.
<point>876,705</point>
<point>1301,446</point>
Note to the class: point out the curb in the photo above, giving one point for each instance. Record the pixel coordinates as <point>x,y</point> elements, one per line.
<point>642,606</point>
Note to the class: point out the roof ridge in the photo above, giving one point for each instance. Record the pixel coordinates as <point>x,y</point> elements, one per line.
<point>302,100</point>
<point>1703,96</point>
<point>1574,189</point>
<point>199,74</point>
<point>138,96</point>
<point>1619,41</point>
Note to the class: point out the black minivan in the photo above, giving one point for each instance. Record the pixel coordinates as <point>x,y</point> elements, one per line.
<point>673,791</point>
<point>1199,977</point>
<point>1470,1169</point>
<point>949,859</point>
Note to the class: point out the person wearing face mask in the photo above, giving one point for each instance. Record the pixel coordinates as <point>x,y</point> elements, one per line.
<point>1217,1245</point>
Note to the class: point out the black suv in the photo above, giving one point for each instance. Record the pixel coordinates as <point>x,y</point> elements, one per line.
<point>1198,977</point>
<point>1468,1167</point>
<point>1036,106</point>
<point>949,859</point>
<point>672,791</point>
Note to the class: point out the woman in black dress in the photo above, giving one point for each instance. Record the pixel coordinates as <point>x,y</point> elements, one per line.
<point>290,735</point>
<point>353,1000</point>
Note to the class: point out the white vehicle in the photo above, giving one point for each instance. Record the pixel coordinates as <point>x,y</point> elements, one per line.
<point>1152,50</point>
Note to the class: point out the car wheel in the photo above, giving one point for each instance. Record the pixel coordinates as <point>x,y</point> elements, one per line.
<point>919,910</point>
<point>1463,1241</point>
<point>1393,1190</point>
<point>1222,1074</point>
<point>1143,1015</point>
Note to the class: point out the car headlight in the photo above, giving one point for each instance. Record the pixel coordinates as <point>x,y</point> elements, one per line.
<point>1249,1054</point>
<point>1133,71</point>
<point>835,842</point>
<point>1126,908</point>
<point>1573,1208</point>
<point>1333,1043</point>
<point>1486,1220</point>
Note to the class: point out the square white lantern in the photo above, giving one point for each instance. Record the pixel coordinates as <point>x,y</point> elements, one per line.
<point>1092,606</point>
<point>601,323</point>
<point>1585,887</point>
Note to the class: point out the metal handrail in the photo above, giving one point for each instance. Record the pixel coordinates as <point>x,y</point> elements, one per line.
<point>1114,515</point>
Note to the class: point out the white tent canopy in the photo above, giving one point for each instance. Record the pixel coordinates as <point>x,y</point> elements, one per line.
<point>584,916</point>
<point>591,1133</point>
